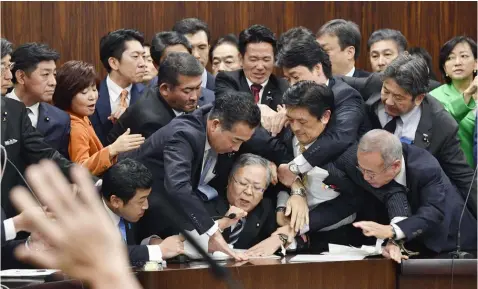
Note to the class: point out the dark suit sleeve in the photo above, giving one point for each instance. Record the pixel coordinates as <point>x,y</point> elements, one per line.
<point>431,212</point>
<point>118,129</point>
<point>366,86</point>
<point>340,133</point>
<point>224,83</point>
<point>178,159</point>
<point>453,163</point>
<point>65,140</point>
<point>263,144</point>
<point>3,218</point>
<point>138,253</point>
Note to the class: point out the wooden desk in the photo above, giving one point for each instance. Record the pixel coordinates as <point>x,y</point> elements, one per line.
<point>263,274</point>
<point>436,274</point>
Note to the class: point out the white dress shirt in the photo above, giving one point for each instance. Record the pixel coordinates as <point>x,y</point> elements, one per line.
<point>401,178</point>
<point>209,176</point>
<point>261,92</point>
<point>351,72</point>
<point>33,111</point>
<point>407,124</point>
<point>154,251</point>
<point>204,78</point>
<point>178,113</point>
<point>114,91</point>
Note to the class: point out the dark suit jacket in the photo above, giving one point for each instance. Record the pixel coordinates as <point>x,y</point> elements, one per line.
<point>54,124</point>
<point>137,253</point>
<point>99,119</point>
<point>437,133</point>
<point>207,95</point>
<point>436,205</point>
<point>211,82</point>
<point>344,128</point>
<point>174,154</point>
<point>260,222</point>
<point>9,261</point>
<point>236,81</point>
<point>433,84</point>
<point>24,146</point>
<point>360,73</point>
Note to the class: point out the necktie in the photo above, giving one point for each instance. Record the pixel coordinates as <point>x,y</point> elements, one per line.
<point>302,149</point>
<point>391,125</point>
<point>210,157</point>
<point>255,89</point>
<point>236,232</point>
<point>123,98</point>
<point>122,228</point>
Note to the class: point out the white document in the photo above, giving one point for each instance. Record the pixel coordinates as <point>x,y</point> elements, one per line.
<point>325,258</point>
<point>364,251</point>
<point>27,272</point>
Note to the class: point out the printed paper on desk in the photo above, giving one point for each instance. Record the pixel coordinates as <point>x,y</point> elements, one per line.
<point>203,241</point>
<point>27,272</point>
<point>364,251</point>
<point>325,258</point>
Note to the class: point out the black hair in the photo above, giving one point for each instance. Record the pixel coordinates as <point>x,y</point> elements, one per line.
<point>27,56</point>
<point>448,47</point>
<point>113,44</point>
<point>388,34</point>
<point>229,39</point>
<point>316,98</point>
<point>176,64</point>
<point>191,26</point>
<point>233,107</point>
<point>410,73</point>
<point>256,34</point>
<point>163,40</point>
<point>347,32</point>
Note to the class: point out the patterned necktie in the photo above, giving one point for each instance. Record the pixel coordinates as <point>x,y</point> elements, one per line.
<point>302,149</point>
<point>391,126</point>
<point>123,98</point>
<point>122,228</point>
<point>236,232</point>
<point>256,89</point>
<point>210,156</point>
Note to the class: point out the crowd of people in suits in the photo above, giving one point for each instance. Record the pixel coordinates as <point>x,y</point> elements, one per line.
<point>328,153</point>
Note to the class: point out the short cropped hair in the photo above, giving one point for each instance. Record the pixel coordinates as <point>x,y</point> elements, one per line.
<point>27,56</point>
<point>163,40</point>
<point>388,34</point>
<point>316,98</point>
<point>379,140</point>
<point>113,44</point>
<point>410,73</point>
<point>6,47</point>
<point>192,26</point>
<point>249,159</point>
<point>256,34</point>
<point>227,39</point>
<point>347,32</point>
<point>176,64</point>
<point>234,107</point>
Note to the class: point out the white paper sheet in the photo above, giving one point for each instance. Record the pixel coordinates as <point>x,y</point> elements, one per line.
<point>325,258</point>
<point>27,272</point>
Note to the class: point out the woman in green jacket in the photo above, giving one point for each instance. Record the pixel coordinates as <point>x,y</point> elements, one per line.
<point>458,64</point>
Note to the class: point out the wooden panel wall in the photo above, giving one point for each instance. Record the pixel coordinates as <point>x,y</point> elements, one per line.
<point>74,28</point>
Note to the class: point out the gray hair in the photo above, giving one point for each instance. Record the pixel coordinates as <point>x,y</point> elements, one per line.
<point>252,160</point>
<point>347,32</point>
<point>379,140</point>
<point>410,72</point>
<point>6,47</point>
<point>388,34</point>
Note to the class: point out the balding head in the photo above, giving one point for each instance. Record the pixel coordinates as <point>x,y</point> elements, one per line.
<point>379,157</point>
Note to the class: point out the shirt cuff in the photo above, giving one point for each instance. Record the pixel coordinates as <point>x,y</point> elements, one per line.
<point>10,232</point>
<point>282,198</point>
<point>147,240</point>
<point>398,231</point>
<point>302,164</point>
<point>292,246</point>
<point>213,229</point>
<point>155,253</point>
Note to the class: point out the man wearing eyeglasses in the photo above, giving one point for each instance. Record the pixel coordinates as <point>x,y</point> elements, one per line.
<point>7,66</point>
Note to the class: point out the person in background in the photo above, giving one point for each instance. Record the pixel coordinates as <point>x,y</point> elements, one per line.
<point>125,189</point>
<point>77,95</point>
<point>150,71</point>
<point>341,40</point>
<point>224,54</point>
<point>423,53</point>
<point>121,53</point>
<point>7,65</point>
<point>458,64</point>
<point>198,35</point>
<point>384,46</point>
<point>34,84</point>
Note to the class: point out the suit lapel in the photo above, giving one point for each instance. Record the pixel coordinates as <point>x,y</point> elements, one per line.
<point>269,91</point>
<point>371,104</point>
<point>3,125</point>
<point>136,91</point>
<point>423,135</point>
<point>103,106</point>
<point>130,238</point>
<point>43,117</point>
<point>251,228</point>
<point>244,86</point>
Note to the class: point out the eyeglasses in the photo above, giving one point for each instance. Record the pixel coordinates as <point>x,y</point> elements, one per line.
<point>243,186</point>
<point>5,67</point>
<point>371,174</point>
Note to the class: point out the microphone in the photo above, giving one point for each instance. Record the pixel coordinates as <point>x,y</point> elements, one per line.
<point>458,254</point>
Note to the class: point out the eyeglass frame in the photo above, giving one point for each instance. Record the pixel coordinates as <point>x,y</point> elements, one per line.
<point>3,68</point>
<point>372,175</point>
<point>247,186</point>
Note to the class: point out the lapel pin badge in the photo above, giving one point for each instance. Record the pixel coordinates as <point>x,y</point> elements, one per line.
<point>257,225</point>
<point>47,118</point>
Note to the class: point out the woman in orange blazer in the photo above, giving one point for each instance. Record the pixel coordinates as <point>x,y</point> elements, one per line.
<point>76,94</point>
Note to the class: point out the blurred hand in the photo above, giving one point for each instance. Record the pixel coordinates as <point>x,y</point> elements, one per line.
<point>273,168</point>
<point>217,243</point>
<point>376,230</point>
<point>126,142</point>
<point>86,245</point>
<point>265,248</point>
<point>22,221</point>
<point>286,177</point>
<point>278,121</point>
<point>117,114</point>
<point>287,230</point>
<point>298,210</point>
<point>392,251</point>
<point>225,223</point>
<point>281,219</point>
<point>471,91</point>
<point>172,246</point>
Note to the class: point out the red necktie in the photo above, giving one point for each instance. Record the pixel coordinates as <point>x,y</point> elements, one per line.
<point>255,89</point>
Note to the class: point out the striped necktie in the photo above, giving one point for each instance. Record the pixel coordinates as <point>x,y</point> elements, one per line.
<point>302,149</point>
<point>123,98</point>
<point>236,232</point>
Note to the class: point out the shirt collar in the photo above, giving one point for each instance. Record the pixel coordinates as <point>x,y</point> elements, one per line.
<point>115,90</point>
<point>351,72</point>
<point>296,143</point>
<point>114,218</point>
<point>34,108</point>
<point>204,78</point>
<point>177,112</point>
<point>207,146</point>
<point>251,83</point>
<point>409,115</point>
<point>401,178</point>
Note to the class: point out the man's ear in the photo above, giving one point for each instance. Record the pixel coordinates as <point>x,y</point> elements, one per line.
<point>116,202</point>
<point>418,100</point>
<point>114,63</point>
<point>350,52</point>
<point>325,117</point>
<point>164,90</point>
<point>20,76</point>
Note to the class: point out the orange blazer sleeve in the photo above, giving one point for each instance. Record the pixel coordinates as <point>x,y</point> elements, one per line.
<point>96,158</point>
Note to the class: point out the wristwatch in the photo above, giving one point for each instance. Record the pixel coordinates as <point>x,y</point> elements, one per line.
<point>280,209</point>
<point>284,239</point>
<point>294,169</point>
<point>300,191</point>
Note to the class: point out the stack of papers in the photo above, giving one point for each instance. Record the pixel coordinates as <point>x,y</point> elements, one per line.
<point>27,272</point>
<point>338,253</point>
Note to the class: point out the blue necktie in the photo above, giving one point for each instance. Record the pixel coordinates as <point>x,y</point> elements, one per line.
<point>207,192</point>
<point>234,237</point>
<point>122,228</point>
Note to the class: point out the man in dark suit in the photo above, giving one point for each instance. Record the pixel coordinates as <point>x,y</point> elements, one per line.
<point>170,41</point>
<point>121,53</point>
<point>435,203</point>
<point>417,118</point>
<point>186,154</point>
<point>302,58</point>
<point>125,189</point>
<point>341,40</point>
<point>34,84</point>
<point>198,35</point>
<point>24,145</point>
<point>177,93</point>
<point>257,45</point>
